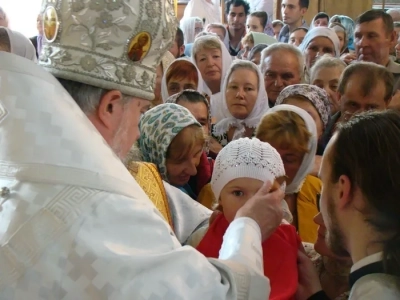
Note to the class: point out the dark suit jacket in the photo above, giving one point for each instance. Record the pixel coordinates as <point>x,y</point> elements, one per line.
<point>34,42</point>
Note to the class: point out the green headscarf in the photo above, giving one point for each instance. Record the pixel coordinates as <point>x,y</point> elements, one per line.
<point>158,127</point>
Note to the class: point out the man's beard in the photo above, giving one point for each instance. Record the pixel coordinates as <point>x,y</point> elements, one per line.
<point>334,237</point>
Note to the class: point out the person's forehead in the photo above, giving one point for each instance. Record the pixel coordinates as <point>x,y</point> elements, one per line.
<point>371,26</point>
<point>291,2</point>
<point>282,60</point>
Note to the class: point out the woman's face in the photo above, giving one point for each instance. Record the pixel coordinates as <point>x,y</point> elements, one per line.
<point>178,84</point>
<point>209,63</point>
<point>341,40</point>
<point>179,171</point>
<point>199,111</point>
<point>291,159</point>
<point>312,111</point>
<point>317,47</point>
<point>256,58</point>
<point>328,79</point>
<point>241,92</point>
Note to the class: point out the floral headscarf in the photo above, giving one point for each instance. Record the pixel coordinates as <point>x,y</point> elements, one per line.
<point>158,127</point>
<point>317,96</point>
<point>174,98</point>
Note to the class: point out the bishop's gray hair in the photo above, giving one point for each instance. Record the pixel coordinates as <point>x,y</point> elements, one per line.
<point>87,96</point>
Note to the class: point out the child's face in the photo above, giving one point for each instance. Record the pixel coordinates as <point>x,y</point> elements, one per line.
<point>235,194</point>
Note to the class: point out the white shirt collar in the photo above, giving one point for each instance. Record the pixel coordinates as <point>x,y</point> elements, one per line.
<point>367,261</point>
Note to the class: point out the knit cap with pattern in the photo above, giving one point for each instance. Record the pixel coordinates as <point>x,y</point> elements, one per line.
<point>246,158</point>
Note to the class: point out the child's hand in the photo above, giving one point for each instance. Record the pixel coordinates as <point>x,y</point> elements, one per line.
<point>265,208</point>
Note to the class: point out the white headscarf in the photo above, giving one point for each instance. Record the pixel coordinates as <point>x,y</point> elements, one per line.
<point>260,107</point>
<point>164,87</point>
<point>321,31</point>
<point>20,45</point>
<point>188,26</point>
<point>308,159</point>
<point>226,64</point>
<point>204,10</point>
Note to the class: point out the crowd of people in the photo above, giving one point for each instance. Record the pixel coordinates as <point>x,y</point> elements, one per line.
<point>144,158</point>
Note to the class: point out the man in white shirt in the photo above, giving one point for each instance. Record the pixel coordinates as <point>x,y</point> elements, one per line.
<point>76,224</point>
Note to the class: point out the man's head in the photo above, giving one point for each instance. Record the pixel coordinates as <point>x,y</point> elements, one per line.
<point>360,172</point>
<point>178,48</point>
<point>293,11</point>
<point>374,37</point>
<point>359,93</point>
<point>96,68</point>
<point>237,11</point>
<point>277,26</point>
<point>282,65</point>
<point>257,21</point>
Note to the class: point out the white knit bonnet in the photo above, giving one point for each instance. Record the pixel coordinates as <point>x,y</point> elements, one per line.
<point>246,158</point>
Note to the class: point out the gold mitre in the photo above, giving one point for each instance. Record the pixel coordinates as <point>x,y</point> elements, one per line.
<point>112,44</point>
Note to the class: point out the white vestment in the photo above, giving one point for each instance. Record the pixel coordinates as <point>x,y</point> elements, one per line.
<point>75,225</point>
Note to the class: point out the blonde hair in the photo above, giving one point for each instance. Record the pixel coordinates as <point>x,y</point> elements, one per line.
<point>185,141</point>
<point>328,62</point>
<point>286,129</point>
<point>205,42</point>
<point>248,38</point>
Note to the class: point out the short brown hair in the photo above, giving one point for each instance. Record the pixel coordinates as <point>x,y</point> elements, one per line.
<point>262,15</point>
<point>375,14</point>
<point>181,69</point>
<point>285,128</point>
<point>376,75</point>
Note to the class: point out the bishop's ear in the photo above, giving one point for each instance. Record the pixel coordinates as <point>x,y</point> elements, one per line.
<point>110,109</point>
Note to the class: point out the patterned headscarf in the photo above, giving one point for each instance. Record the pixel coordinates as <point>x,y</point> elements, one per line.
<point>317,96</point>
<point>158,127</point>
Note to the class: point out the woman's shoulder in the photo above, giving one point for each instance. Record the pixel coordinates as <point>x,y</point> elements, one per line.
<point>310,189</point>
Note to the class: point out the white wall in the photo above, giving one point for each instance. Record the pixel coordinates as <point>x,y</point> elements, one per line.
<point>22,15</point>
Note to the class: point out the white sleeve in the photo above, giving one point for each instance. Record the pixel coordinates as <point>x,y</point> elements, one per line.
<point>139,257</point>
<point>187,214</point>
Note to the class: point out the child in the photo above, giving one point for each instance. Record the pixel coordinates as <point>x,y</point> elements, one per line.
<point>240,170</point>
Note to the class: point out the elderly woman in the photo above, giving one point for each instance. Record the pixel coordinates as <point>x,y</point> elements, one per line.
<point>244,105</point>
<point>318,42</point>
<point>292,132</point>
<point>326,74</point>
<point>16,43</point>
<point>181,74</point>
<point>213,60</point>
<point>173,140</point>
